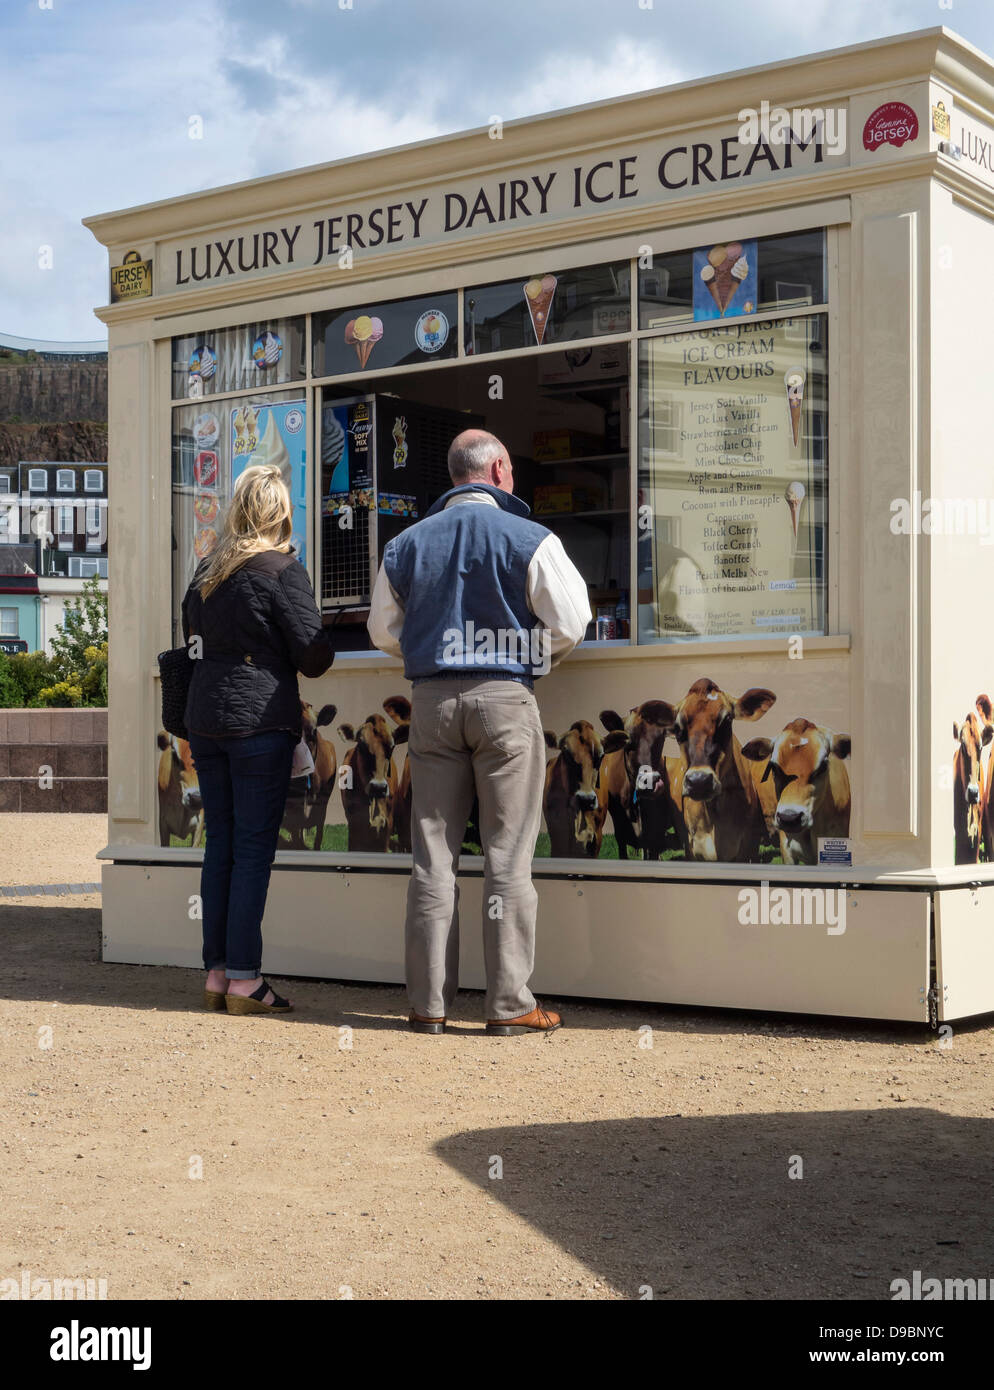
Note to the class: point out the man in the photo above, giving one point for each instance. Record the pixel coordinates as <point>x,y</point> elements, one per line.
<point>479,601</point>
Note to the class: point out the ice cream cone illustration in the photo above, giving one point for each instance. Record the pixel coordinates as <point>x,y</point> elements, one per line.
<point>794,382</point>
<point>539,294</point>
<point>251,417</point>
<point>272,450</point>
<point>363,333</point>
<point>724,273</point>
<point>238,420</point>
<point>794,496</point>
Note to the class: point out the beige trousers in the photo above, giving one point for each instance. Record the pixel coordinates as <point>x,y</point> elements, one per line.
<point>485,737</point>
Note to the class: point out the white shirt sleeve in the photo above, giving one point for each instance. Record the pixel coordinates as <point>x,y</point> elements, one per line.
<point>386,616</point>
<point>557,594</point>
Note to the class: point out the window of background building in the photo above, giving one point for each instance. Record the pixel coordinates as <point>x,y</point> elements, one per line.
<point>64,525</point>
<point>93,480</point>
<point>5,485</point>
<point>8,622</point>
<point>37,479</point>
<point>96,531</point>
<point>65,480</point>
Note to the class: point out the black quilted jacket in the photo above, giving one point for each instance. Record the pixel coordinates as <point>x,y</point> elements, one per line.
<point>259,628</point>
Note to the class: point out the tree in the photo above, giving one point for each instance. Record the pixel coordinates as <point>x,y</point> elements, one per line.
<point>83,626</point>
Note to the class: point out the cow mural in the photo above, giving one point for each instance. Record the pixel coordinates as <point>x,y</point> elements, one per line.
<point>369,790</point>
<point>634,787</point>
<point>722,814</point>
<point>398,707</point>
<point>971,805</point>
<point>805,768</point>
<point>181,811</point>
<point>308,797</point>
<point>668,778</point>
<point>573,812</point>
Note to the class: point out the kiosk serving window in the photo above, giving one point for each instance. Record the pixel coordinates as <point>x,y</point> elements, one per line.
<point>714,523</point>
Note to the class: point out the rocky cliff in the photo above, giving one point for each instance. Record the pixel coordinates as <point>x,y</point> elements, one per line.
<point>53,411</point>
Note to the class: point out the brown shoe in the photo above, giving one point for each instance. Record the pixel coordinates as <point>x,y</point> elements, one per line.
<point>417,1024</point>
<point>538,1021</point>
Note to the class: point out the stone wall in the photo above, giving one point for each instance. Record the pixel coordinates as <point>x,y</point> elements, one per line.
<point>70,742</point>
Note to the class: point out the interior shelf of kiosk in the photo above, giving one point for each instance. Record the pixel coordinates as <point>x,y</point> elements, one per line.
<point>602,460</point>
<point>597,514</point>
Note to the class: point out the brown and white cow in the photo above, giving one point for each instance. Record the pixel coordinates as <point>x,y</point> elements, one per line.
<point>633,784</point>
<point>723,819</point>
<point>308,797</point>
<point>971,807</point>
<point>369,786</point>
<point>181,810</point>
<point>573,813</point>
<point>398,707</point>
<point>805,767</point>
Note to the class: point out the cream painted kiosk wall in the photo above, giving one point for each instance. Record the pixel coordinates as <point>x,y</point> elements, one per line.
<point>733,362</point>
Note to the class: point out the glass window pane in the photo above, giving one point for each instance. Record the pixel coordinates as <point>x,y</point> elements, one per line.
<point>212,446</point>
<point>733,431</point>
<point>548,308</point>
<point>261,355</point>
<point>387,334</point>
<point>734,278</point>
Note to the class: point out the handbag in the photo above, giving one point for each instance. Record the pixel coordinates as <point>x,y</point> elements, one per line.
<point>175,675</point>
<point>303,762</point>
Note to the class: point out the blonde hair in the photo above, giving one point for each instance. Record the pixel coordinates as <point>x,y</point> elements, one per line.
<point>258,518</point>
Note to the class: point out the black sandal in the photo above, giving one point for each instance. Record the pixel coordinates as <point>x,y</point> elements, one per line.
<point>252,1003</point>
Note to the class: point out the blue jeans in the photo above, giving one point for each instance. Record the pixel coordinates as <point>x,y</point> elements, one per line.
<point>243,784</point>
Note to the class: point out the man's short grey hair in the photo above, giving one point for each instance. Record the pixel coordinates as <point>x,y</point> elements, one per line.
<point>473,460</point>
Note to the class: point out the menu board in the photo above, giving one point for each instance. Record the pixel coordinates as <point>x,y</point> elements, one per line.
<point>733,424</point>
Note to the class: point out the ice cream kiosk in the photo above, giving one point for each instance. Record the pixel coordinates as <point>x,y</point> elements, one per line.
<point>729,333</point>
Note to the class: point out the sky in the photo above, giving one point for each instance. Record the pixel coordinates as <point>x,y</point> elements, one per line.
<point>100,94</point>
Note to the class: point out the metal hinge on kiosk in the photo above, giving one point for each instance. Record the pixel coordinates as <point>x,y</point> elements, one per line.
<point>933,1009</point>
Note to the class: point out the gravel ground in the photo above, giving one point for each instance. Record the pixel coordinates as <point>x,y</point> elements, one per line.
<point>182,1154</point>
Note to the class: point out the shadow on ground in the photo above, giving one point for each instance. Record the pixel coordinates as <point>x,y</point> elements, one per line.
<point>49,952</point>
<point>703,1207</point>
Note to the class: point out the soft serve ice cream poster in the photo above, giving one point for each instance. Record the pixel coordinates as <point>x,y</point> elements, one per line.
<point>726,282</point>
<point>275,434</point>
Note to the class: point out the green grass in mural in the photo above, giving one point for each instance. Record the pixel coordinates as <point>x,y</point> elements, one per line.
<point>336,840</point>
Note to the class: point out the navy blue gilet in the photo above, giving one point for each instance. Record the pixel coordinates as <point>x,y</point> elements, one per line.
<point>461,575</point>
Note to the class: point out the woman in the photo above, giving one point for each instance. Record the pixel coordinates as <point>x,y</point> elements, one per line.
<point>252,604</point>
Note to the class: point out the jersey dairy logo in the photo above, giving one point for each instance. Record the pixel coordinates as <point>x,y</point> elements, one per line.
<point>894,123</point>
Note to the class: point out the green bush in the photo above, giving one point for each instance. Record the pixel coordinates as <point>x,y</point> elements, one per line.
<point>10,692</point>
<point>62,695</point>
<point>32,672</point>
<point>83,628</point>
